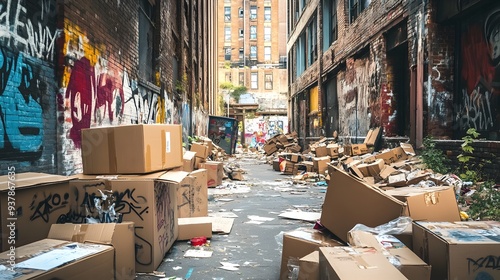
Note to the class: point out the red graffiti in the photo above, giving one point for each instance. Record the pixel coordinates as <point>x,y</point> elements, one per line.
<point>476,60</point>
<point>81,83</point>
<point>387,105</point>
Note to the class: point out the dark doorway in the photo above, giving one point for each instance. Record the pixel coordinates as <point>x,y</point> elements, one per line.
<point>399,82</point>
<point>332,107</point>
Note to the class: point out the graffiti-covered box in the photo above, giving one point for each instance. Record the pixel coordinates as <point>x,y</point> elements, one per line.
<point>147,200</point>
<point>30,204</point>
<point>131,149</point>
<point>459,250</point>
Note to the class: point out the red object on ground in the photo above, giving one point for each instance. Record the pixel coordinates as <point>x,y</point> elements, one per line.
<point>198,241</point>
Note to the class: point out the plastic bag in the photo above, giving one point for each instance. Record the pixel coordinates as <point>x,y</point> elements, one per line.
<point>396,226</point>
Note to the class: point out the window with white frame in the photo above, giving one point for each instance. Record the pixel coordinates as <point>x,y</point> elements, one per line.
<point>241,33</point>
<point>268,80</point>
<point>227,53</point>
<point>240,12</point>
<point>267,34</point>
<point>227,14</point>
<point>253,32</point>
<point>227,34</point>
<point>253,12</point>
<point>267,53</point>
<point>253,52</point>
<point>267,13</point>
<point>254,80</point>
<point>241,78</point>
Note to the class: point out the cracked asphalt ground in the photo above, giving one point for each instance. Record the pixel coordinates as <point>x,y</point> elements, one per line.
<point>254,247</point>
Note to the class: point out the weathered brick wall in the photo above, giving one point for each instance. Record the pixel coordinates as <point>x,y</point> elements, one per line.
<point>28,87</point>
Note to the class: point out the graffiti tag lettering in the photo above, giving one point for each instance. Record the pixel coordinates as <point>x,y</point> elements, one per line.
<point>476,110</point>
<point>47,205</point>
<point>488,262</point>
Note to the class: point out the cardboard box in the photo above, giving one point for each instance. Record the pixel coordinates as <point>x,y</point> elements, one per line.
<point>107,150</point>
<point>215,172</point>
<point>194,227</point>
<point>459,250</point>
<point>393,155</point>
<point>321,164</point>
<point>320,151</point>
<point>301,242</point>
<point>200,149</point>
<point>120,236</point>
<point>270,149</point>
<point>428,204</point>
<point>333,150</point>
<point>188,161</point>
<point>192,193</point>
<point>355,263</point>
<point>198,161</point>
<point>150,201</point>
<point>359,149</point>
<point>276,164</point>
<point>38,200</point>
<point>372,136</point>
<point>59,259</point>
<point>371,169</point>
<point>309,266</point>
<point>398,254</point>
<point>287,167</point>
<point>350,201</point>
<point>295,158</point>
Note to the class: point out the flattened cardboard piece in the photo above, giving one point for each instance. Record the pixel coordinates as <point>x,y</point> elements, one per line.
<point>222,225</point>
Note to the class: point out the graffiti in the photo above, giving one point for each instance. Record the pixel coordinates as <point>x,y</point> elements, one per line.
<point>25,34</point>
<point>275,128</point>
<point>488,262</point>
<point>187,198</point>
<point>21,121</point>
<point>164,215</point>
<point>48,204</point>
<point>126,203</point>
<point>143,249</point>
<point>146,104</point>
<point>476,111</point>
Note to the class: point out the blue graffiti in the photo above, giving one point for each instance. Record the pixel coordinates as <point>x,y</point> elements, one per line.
<point>21,121</point>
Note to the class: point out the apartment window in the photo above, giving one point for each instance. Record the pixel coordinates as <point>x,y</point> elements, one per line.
<point>227,14</point>
<point>253,52</point>
<point>267,34</point>
<point>240,12</point>
<point>253,32</point>
<point>240,56</point>
<point>241,79</point>
<point>254,82</point>
<point>253,12</point>
<point>312,41</point>
<point>267,13</point>
<point>241,33</point>
<point>227,33</point>
<point>148,50</point>
<point>267,53</point>
<point>228,77</point>
<point>333,23</point>
<point>268,80</point>
<point>355,8</point>
<point>227,53</point>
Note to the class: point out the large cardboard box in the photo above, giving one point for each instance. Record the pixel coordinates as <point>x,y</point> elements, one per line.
<point>393,155</point>
<point>118,235</point>
<point>215,172</point>
<point>333,150</point>
<point>31,201</point>
<point>60,259</point>
<point>459,250</point>
<point>309,266</point>
<point>192,192</point>
<point>350,201</point>
<point>195,227</point>
<point>321,164</point>
<point>355,263</point>
<point>131,149</point>
<point>301,242</point>
<point>200,149</point>
<point>150,201</point>
<point>436,204</point>
<point>398,254</point>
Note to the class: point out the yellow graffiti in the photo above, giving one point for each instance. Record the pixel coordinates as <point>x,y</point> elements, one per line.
<point>160,108</point>
<point>76,45</point>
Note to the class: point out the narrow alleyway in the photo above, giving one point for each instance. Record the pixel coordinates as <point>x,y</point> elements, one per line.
<point>252,246</point>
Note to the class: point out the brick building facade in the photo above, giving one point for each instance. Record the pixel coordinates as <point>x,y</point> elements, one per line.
<point>415,68</point>
<point>69,65</point>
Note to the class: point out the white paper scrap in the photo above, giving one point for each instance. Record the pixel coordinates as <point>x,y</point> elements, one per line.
<point>198,254</point>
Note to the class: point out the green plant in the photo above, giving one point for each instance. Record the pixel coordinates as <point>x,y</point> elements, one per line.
<point>484,202</point>
<point>469,169</point>
<point>434,158</point>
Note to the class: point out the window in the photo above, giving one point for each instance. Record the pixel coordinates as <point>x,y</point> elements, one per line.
<point>333,23</point>
<point>267,34</point>
<point>355,8</point>
<point>227,53</point>
<point>228,77</point>
<point>253,52</point>
<point>254,82</point>
<point>240,12</point>
<point>267,53</point>
<point>267,13</point>
<point>268,80</point>
<point>241,79</point>
<point>240,56</point>
<point>312,41</point>
<point>227,34</point>
<point>227,14</point>
<point>253,12</point>
<point>253,32</point>
<point>241,33</point>
<point>148,50</point>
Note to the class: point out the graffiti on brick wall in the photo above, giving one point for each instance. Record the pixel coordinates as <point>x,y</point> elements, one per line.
<point>146,105</point>
<point>478,107</point>
<point>21,121</point>
<point>29,31</point>
<point>258,130</point>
